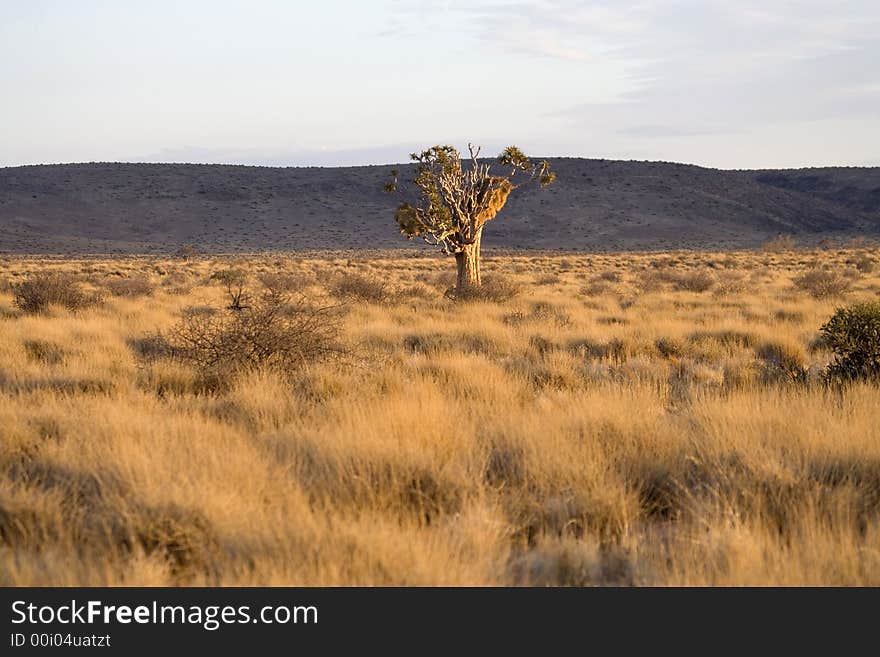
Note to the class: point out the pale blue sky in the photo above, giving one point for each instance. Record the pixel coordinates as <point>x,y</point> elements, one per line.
<point>745,84</point>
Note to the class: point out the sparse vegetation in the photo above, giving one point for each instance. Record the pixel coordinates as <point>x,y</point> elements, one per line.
<point>495,290</point>
<point>235,281</point>
<point>135,286</point>
<point>823,283</point>
<point>863,263</point>
<point>783,361</point>
<point>273,332</point>
<point>692,281</point>
<point>731,283</point>
<point>661,436</point>
<point>695,281</point>
<point>187,252</point>
<point>40,291</point>
<point>355,287</point>
<point>780,243</point>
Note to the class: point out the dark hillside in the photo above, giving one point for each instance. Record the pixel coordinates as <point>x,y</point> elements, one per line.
<point>596,205</point>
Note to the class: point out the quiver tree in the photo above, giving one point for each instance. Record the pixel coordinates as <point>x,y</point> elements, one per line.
<point>453,202</point>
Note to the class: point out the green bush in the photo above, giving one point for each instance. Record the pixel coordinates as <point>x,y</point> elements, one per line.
<point>853,336</point>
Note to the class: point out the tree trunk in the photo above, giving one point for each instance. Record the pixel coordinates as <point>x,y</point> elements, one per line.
<point>468,261</point>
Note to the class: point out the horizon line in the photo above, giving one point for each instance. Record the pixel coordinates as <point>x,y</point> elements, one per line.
<point>405,163</point>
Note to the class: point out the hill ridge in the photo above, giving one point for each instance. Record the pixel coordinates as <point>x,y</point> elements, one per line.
<point>597,204</point>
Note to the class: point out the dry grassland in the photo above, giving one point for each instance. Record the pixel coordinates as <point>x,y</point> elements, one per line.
<point>649,419</point>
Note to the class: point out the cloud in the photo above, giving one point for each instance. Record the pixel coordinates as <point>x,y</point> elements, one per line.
<point>743,83</point>
<point>703,66</point>
<point>660,131</point>
<point>555,29</point>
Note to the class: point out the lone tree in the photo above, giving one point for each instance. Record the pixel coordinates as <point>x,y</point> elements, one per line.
<point>454,202</point>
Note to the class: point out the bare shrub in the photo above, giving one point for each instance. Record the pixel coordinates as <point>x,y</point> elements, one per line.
<point>647,281</point>
<point>235,282</point>
<point>823,283</point>
<point>692,281</point>
<point>40,291</point>
<point>136,286</point>
<point>355,287</point>
<point>274,332</point>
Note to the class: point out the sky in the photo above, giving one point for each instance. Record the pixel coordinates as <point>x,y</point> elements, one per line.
<point>744,84</point>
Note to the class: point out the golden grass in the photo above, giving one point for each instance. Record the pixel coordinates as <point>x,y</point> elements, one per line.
<point>619,422</point>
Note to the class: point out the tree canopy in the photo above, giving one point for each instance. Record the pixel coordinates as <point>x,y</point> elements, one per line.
<point>454,201</point>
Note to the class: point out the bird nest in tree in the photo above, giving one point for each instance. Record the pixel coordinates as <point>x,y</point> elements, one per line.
<point>499,193</point>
